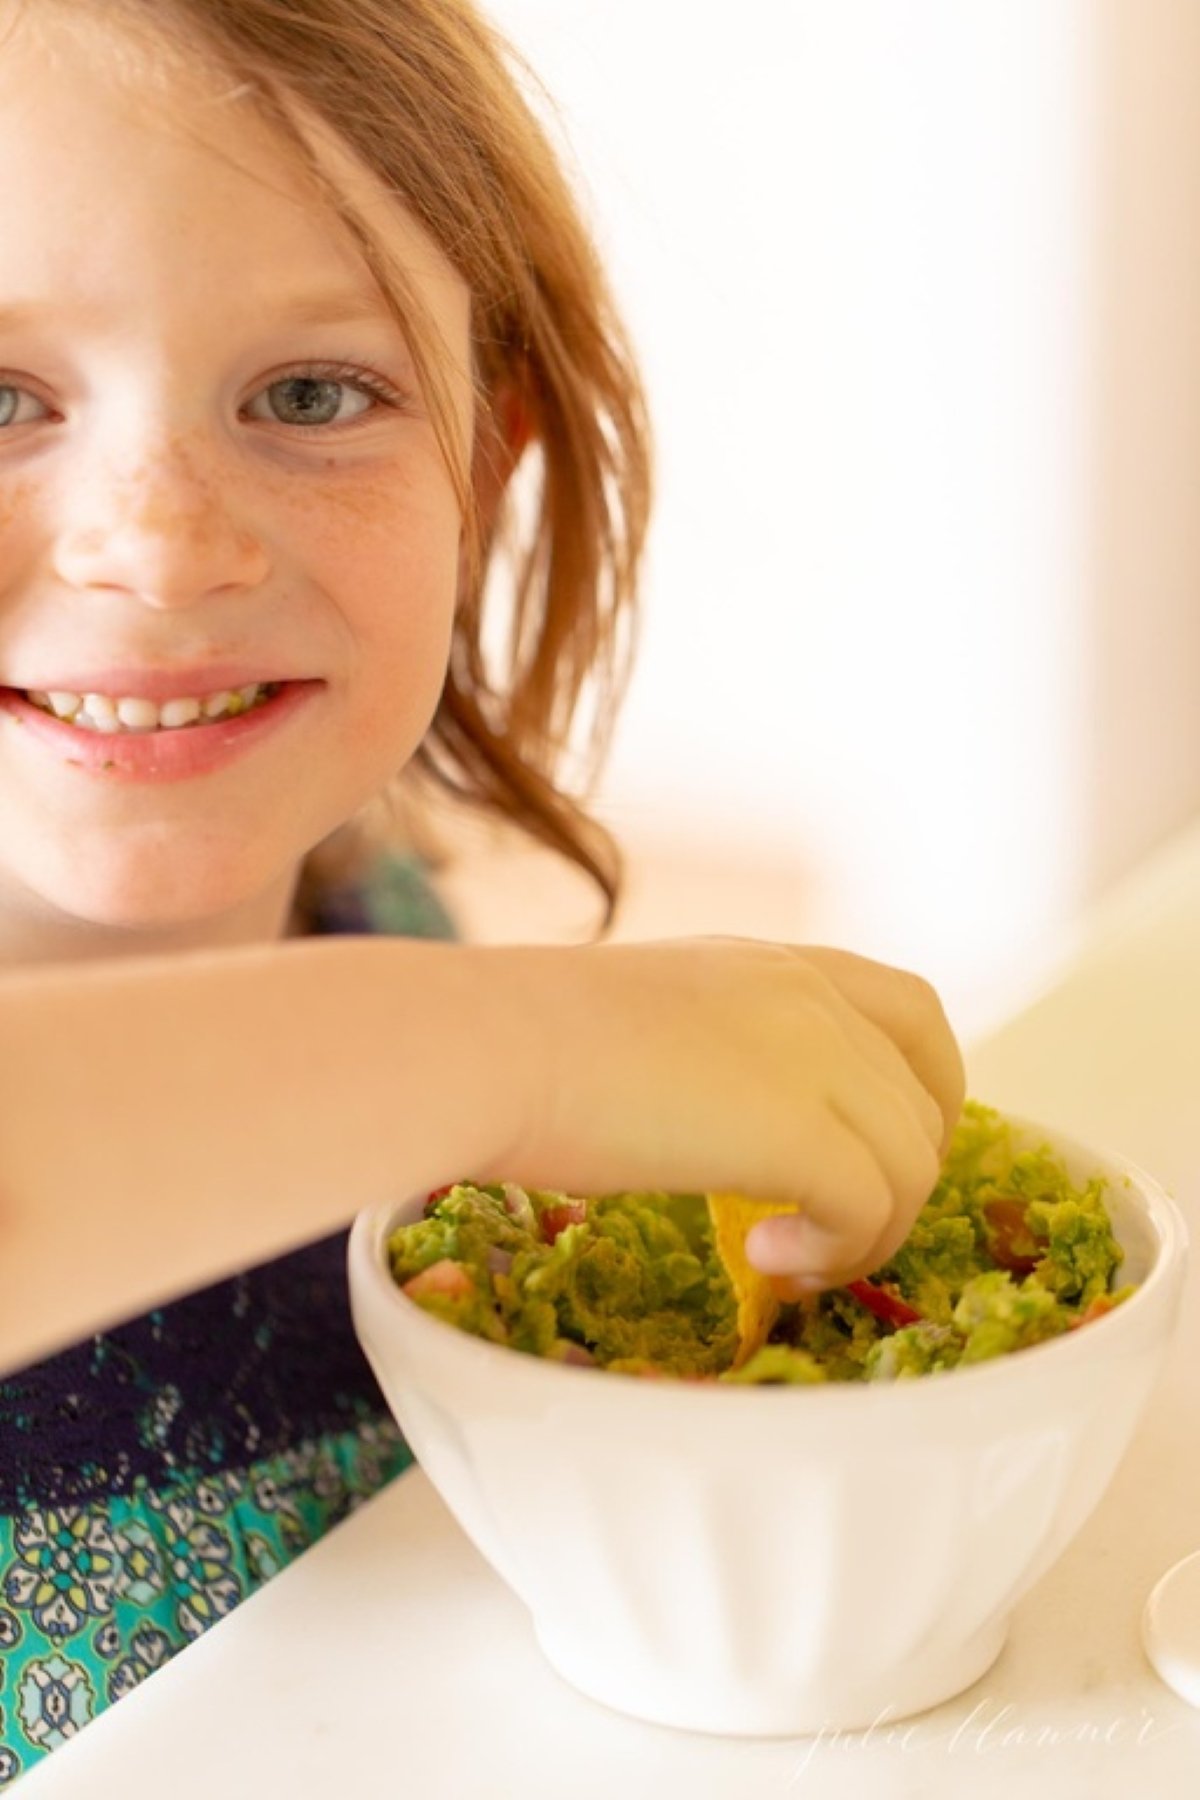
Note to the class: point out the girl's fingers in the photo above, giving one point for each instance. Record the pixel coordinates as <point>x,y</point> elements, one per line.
<point>886,1084</point>
<point>883,1119</point>
<point>866,1168</point>
<point>907,1010</point>
<point>844,1204</point>
<point>888,1071</point>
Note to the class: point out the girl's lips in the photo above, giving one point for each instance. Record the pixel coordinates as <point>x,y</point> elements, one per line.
<point>165,755</point>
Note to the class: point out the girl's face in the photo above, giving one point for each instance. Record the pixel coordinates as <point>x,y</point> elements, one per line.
<point>215,470</point>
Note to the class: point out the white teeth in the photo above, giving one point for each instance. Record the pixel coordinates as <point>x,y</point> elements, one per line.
<point>178,712</point>
<point>130,712</point>
<point>139,715</point>
<point>100,712</point>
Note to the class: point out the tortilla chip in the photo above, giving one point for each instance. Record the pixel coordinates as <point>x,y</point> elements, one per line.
<point>732,1215</point>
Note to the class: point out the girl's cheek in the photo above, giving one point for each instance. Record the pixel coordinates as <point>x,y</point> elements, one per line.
<point>419,493</point>
<point>14,505</point>
<point>18,533</point>
<point>409,525</point>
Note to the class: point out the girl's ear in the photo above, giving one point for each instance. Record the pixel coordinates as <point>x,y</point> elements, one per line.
<point>504,432</point>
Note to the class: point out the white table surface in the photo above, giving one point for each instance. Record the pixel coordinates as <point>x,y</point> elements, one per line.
<point>390,1661</point>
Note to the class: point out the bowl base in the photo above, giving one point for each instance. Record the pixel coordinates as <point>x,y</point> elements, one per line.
<point>729,1709</point>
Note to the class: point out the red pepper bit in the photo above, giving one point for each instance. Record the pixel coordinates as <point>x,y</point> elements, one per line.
<point>1012,1244</point>
<point>886,1306</point>
<point>440,1194</point>
<point>556,1218</point>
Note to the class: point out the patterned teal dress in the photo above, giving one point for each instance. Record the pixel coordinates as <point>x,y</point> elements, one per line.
<point>155,1475</point>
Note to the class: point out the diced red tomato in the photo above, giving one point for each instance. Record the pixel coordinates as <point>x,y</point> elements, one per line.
<point>556,1218</point>
<point>1010,1240</point>
<point>443,1277</point>
<point>885,1304</point>
<point>438,1194</point>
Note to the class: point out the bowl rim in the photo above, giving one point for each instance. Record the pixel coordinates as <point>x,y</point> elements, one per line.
<point>367,1263</point>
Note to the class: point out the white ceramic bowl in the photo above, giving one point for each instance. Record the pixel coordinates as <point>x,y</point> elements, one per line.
<point>761,1561</point>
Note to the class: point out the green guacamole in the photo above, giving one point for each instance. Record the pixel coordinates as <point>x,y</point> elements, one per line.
<point>1006,1253</point>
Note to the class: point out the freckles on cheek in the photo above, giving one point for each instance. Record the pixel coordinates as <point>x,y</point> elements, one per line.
<point>384,544</point>
<point>421,495</point>
<point>18,537</point>
<point>14,507</point>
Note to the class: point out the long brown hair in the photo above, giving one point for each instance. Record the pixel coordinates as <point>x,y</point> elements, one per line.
<point>429,97</point>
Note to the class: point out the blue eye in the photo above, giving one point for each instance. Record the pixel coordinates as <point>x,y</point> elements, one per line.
<point>10,404</point>
<point>305,400</point>
<point>315,396</point>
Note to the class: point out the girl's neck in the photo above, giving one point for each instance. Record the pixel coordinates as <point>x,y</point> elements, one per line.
<point>31,935</point>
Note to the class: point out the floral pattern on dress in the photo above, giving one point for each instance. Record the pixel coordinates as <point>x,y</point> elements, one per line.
<point>149,1648</point>
<point>54,1698</point>
<point>64,1571</point>
<point>98,1596</point>
<point>140,1574</point>
<point>202,1570</point>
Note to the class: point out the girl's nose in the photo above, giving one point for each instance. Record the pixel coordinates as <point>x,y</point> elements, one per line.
<point>170,537</point>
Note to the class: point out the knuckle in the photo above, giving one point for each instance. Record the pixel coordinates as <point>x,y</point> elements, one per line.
<point>921,997</point>
<point>803,962</point>
<point>875,1207</point>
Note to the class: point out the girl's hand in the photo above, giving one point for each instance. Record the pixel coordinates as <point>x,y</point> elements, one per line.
<point>365,1067</point>
<point>785,1073</point>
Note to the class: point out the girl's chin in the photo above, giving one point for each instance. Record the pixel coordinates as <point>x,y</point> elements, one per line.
<point>200,906</point>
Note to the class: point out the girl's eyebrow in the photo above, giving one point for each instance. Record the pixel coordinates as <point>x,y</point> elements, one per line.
<point>348,307</point>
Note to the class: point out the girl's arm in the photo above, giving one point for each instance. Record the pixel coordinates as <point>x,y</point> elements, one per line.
<point>165,1121</point>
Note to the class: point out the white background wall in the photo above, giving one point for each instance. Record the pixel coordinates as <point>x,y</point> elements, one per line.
<point>923,627</point>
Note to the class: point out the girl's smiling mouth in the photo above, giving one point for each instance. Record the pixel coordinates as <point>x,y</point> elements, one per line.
<point>136,712</point>
<point>134,735</point>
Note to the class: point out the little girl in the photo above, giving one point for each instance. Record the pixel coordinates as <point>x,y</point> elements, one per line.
<point>287,294</point>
